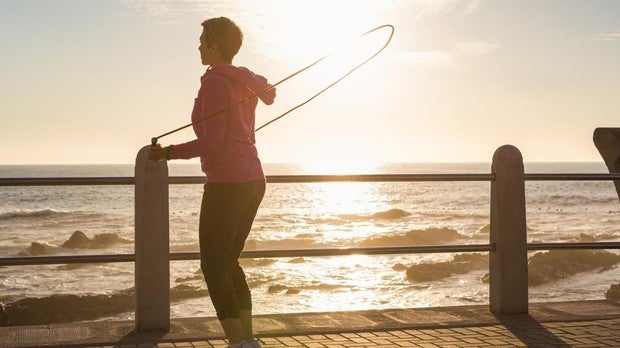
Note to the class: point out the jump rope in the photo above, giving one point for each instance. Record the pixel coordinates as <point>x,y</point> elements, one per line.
<point>255,95</point>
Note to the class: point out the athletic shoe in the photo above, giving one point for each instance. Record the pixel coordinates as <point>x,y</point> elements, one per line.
<point>253,343</point>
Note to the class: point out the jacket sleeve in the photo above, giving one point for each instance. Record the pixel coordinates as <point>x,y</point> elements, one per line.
<point>210,132</point>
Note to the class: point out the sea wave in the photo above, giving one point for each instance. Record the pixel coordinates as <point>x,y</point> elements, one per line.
<point>572,199</point>
<point>41,213</point>
<point>293,290</point>
<point>452,215</point>
<point>68,308</point>
<point>585,237</point>
<point>486,229</point>
<point>47,216</point>
<point>427,236</point>
<point>391,214</point>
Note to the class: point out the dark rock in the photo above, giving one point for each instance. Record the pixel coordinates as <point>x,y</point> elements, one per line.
<point>37,248</point>
<point>77,240</point>
<point>613,294</point>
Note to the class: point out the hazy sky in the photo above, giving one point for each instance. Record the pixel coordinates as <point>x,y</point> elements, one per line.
<point>92,81</point>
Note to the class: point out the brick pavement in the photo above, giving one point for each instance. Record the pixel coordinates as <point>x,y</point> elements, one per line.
<point>559,324</point>
<point>514,333</point>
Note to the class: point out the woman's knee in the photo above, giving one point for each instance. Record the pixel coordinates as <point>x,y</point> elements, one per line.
<point>213,270</point>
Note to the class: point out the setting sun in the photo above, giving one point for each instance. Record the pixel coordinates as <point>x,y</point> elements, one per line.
<point>300,28</point>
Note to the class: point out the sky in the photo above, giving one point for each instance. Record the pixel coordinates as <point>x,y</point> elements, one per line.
<point>93,81</point>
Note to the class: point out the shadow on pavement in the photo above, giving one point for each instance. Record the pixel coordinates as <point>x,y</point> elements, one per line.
<point>529,331</point>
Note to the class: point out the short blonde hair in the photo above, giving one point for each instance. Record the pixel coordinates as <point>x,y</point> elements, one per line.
<point>225,34</point>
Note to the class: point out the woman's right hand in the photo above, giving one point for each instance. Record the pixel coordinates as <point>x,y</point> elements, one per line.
<point>156,153</point>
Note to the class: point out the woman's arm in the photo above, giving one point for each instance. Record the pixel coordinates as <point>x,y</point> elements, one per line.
<point>210,133</point>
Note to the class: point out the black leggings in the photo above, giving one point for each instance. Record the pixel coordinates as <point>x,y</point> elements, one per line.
<point>226,216</point>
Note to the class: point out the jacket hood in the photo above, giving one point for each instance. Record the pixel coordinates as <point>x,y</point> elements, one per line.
<point>256,83</point>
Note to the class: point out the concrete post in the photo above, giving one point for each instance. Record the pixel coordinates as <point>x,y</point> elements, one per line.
<point>152,272</point>
<point>508,263</point>
<point>607,141</point>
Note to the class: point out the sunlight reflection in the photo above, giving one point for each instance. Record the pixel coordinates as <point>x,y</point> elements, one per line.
<point>340,168</point>
<point>334,199</point>
<point>345,205</point>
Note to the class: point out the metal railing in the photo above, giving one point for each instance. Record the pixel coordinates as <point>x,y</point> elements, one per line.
<point>296,179</point>
<point>507,238</point>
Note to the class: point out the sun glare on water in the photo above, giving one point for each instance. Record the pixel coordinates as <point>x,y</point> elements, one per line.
<point>346,201</point>
<point>340,168</point>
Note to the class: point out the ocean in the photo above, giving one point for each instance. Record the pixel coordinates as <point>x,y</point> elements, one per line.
<point>71,220</point>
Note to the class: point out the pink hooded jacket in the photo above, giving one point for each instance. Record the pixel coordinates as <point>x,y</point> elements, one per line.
<point>226,142</point>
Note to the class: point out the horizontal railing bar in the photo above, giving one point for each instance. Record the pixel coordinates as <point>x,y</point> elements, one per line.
<point>80,181</point>
<point>175,180</point>
<point>571,176</point>
<point>573,246</point>
<point>378,178</point>
<point>348,251</point>
<point>68,181</point>
<point>72,259</point>
<point>65,259</point>
<point>76,259</point>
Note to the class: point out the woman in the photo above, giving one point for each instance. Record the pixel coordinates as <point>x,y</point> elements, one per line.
<point>235,182</point>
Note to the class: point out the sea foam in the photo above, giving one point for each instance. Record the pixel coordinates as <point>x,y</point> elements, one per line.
<point>428,236</point>
<point>41,213</point>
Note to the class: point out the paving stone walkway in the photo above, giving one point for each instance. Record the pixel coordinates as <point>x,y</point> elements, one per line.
<point>559,324</point>
<point>594,333</point>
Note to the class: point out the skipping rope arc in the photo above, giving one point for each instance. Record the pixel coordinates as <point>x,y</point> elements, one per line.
<point>387,42</point>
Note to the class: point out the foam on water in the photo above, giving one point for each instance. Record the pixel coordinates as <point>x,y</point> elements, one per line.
<point>428,236</point>
<point>41,213</point>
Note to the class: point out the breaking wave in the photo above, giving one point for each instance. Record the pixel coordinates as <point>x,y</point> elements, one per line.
<point>16,214</point>
<point>293,290</point>
<point>428,236</point>
<point>584,237</point>
<point>391,214</point>
<point>486,229</point>
<point>45,214</point>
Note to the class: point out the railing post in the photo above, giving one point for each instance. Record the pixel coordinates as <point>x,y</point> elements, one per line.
<point>508,263</point>
<point>607,141</point>
<point>152,272</point>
